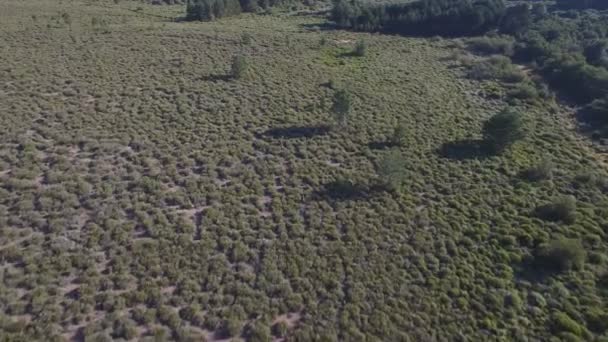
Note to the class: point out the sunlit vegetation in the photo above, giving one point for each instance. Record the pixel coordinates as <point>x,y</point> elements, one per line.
<point>263,176</point>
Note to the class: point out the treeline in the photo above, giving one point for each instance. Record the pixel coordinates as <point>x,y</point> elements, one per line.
<point>582,4</point>
<point>431,17</point>
<point>569,48</point>
<point>206,10</point>
<point>572,55</point>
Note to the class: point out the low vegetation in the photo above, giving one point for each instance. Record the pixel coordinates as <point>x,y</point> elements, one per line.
<point>190,181</point>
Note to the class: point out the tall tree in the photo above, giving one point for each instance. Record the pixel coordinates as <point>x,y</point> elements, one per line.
<point>503,130</point>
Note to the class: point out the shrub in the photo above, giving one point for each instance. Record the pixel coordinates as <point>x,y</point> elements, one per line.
<point>239,67</point>
<point>246,38</point>
<point>503,130</point>
<point>561,209</point>
<point>524,91</point>
<point>280,329</point>
<point>258,332</point>
<point>597,320</point>
<point>491,45</point>
<point>399,136</point>
<point>540,171</point>
<point>341,106</point>
<point>496,67</point>
<point>390,170</point>
<point>205,10</point>
<point>360,48</point>
<point>230,328</point>
<point>563,323</point>
<point>562,254</point>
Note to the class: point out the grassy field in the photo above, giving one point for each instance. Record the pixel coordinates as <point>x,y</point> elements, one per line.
<point>146,194</point>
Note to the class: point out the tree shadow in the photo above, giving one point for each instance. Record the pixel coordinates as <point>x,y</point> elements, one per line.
<point>464,149</point>
<point>341,189</point>
<point>347,190</point>
<point>592,123</point>
<point>348,54</point>
<point>534,270</point>
<point>294,132</point>
<point>217,77</point>
<point>381,145</point>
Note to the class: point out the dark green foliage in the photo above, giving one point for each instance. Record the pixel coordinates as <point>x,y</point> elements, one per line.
<point>360,48</point>
<point>425,17</point>
<point>341,106</point>
<point>230,327</point>
<point>541,171</point>
<point>562,209</point>
<point>516,19</point>
<point>582,4</point>
<point>563,323</point>
<point>596,53</point>
<point>597,320</point>
<point>597,111</point>
<point>258,332</point>
<point>491,45</point>
<point>280,329</point>
<point>391,170</point>
<point>205,10</point>
<point>503,130</point>
<point>561,255</point>
<point>239,66</point>
<point>399,136</point>
<point>498,68</point>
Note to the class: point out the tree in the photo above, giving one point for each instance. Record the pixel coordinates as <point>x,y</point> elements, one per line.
<point>399,135</point>
<point>258,332</point>
<point>561,209</point>
<point>239,66</point>
<point>390,170</point>
<point>360,48</point>
<point>503,130</point>
<point>562,254</point>
<point>516,20</point>
<point>341,106</point>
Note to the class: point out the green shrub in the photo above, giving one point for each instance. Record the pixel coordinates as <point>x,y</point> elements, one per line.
<point>491,45</point>
<point>503,130</point>
<point>204,10</point>
<point>597,320</point>
<point>540,171</point>
<point>239,66</point>
<point>391,170</point>
<point>341,106</point>
<point>496,68</point>
<point>231,327</point>
<point>561,209</point>
<point>563,323</point>
<point>360,48</point>
<point>399,136</point>
<point>562,254</point>
<point>524,91</point>
<point>258,332</point>
<point>280,329</point>
<point>246,38</point>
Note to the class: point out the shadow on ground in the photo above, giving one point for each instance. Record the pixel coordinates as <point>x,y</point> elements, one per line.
<point>293,132</point>
<point>381,145</point>
<point>217,77</point>
<point>464,149</point>
<point>344,190</point>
